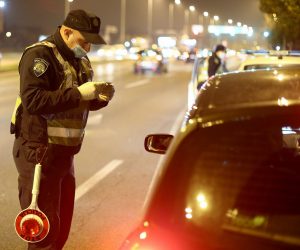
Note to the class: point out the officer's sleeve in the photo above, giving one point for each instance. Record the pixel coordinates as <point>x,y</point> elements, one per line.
<point>211,66</point>
<point>97,104</point>
<point>40,81</point>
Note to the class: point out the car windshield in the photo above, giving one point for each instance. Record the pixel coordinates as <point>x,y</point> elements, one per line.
<point>236,184</point>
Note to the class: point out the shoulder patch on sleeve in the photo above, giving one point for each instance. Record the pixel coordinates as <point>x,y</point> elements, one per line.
<point>39,66</point>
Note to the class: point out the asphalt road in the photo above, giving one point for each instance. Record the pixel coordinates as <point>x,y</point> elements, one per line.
<point>113,170</point>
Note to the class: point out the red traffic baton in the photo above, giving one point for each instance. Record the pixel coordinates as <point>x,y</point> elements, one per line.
<point>31,224</point>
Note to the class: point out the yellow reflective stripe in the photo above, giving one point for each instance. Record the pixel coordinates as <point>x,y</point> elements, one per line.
<point>17,104</point>
<point>65,132</point>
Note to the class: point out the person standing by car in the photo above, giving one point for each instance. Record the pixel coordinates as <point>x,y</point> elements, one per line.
<point>56,95</point>
<point>216,63</point>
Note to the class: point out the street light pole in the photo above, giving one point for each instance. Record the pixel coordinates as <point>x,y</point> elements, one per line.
<point>2,5</point>
<point>150,11</point>
<point>123,21</point>
<point>186,20</point>
<point>171,15</point>
<point>67,6</point>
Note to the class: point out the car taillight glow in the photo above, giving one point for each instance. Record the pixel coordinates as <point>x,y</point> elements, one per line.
<point>143,235</point>
<point>148,237</point>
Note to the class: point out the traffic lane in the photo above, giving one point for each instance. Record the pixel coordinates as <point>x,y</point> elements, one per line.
<point>106,214</point>
<point>9,204</point>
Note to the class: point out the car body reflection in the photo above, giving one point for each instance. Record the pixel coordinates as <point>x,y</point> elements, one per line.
<point>230,178</point>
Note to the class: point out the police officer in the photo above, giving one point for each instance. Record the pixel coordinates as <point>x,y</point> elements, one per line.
<point>56,95</point>
<point>216,61</point>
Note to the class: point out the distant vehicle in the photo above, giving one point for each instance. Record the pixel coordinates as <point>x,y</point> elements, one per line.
<point>112,52</point>
<point>191,55</point>
<point>230,177</point>
<point>150,60</point>
<point>170,52</point>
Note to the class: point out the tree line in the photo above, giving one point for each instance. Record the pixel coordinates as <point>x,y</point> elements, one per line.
<point>283,18</point>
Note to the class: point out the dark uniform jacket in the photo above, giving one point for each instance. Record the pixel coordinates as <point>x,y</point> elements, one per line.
<point>214,62</point>
<point>41,94</point>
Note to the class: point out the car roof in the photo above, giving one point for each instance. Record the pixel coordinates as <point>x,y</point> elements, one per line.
<point>248,89</point>
<point>269,60</point>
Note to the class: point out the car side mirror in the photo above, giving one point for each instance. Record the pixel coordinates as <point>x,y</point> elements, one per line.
<point>158,143</point>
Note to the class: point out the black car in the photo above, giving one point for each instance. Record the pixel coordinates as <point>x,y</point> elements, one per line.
<point>231,175</point>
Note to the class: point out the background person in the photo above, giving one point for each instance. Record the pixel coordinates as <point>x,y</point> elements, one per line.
<point>216,63</point>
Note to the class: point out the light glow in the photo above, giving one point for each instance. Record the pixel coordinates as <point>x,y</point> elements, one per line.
<point>202,201</point>
<point>283,101</point>
<point>192,8</point>
<point>197,29</point>
<point>189,216</point>
<point>143,235</point>
<point>188,213</point>
<point>280,77</point>
<point>188,210</point>
<point>266,33</point>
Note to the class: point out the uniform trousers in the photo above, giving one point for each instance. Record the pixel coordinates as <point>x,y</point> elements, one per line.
<point>56,194</point>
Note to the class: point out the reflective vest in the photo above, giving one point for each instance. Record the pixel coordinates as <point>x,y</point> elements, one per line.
<point>65,128</point>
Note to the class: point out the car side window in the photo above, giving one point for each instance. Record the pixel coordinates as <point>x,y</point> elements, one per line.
<point>246,178</point>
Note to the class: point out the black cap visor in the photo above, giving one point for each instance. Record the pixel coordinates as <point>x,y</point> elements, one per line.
<point>92,38</point>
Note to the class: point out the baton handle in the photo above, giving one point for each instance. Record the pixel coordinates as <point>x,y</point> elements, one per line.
<point>36,184</point>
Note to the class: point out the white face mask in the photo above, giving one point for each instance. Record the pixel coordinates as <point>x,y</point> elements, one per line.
<point>79,52</point>
<point>221,55</point>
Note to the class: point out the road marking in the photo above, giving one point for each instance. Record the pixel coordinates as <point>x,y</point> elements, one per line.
<point>137,83</point>
<point>93,181</point>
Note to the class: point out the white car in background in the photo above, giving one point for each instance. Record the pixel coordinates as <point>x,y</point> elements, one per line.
<point>112,52</point>
<point>270,59</point>
<point>200,73</point>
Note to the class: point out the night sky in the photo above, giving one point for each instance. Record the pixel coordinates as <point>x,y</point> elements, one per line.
<point>46,15</point>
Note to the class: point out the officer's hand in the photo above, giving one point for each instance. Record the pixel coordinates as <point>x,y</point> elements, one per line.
<point>88,90</point>
<point>105,91</point>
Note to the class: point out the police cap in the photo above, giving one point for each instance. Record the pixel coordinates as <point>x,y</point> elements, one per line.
<point>87,24</point>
